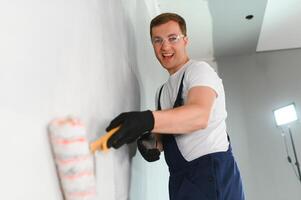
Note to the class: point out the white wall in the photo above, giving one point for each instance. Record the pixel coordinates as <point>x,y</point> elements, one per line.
<point>60,58</point>
<point>255,85</point>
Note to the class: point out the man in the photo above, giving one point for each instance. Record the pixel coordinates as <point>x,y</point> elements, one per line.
<point>189,122</point>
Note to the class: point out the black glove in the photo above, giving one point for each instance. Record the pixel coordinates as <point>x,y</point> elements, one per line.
<point>133,125</point>
<point>147,147</point>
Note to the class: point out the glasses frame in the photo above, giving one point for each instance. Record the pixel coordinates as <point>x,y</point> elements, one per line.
<point>177,39</point>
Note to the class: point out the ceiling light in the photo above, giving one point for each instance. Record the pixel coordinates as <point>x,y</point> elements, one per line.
<point>249,17</point>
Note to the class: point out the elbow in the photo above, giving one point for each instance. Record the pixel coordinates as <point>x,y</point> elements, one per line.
<point>201,124</point>
<point>205,125</point>
<point>202,120</point>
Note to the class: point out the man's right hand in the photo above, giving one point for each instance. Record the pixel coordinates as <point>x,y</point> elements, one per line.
<point>132,126</point>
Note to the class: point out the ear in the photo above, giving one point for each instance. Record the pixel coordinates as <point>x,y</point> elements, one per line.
<point>186,40</point>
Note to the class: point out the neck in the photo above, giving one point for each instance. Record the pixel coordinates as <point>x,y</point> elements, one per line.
<point>172,71</point>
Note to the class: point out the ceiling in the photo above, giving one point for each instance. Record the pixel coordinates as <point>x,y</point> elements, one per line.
<point>219,28</point>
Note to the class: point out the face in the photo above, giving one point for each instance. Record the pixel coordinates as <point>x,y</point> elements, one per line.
<point>171,53</point>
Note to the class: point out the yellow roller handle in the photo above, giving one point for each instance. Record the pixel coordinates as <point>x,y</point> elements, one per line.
<point>101,143</point>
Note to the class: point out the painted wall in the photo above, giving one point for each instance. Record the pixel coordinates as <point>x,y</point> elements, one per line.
<point>255,85</point>
<point>61,58</point>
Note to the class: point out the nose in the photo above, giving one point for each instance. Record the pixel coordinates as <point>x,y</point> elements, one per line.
<point>165,44</point>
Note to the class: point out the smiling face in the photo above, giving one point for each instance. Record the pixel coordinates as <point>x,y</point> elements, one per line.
<point>171,54</point>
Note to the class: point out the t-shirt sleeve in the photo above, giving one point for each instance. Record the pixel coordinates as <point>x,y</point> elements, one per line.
<point>202,74</point>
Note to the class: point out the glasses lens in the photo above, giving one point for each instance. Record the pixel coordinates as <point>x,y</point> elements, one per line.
<point>173,39</point>
<point>157,41</point>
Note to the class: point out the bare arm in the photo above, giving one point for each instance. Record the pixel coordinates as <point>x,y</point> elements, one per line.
<point>192,116</point>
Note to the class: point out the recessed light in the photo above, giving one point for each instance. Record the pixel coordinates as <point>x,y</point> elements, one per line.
<point>249,17</point>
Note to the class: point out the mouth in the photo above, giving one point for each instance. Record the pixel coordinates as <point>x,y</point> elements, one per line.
<point>167,56</point>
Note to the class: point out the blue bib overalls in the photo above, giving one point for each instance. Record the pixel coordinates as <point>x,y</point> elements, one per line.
<point>210,177</point>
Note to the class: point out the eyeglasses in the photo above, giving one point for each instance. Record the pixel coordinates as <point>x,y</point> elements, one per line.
<point>172,39</point>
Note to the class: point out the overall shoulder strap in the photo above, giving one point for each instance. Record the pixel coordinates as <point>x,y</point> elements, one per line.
<point>179,100</point>
<point>159,97</point>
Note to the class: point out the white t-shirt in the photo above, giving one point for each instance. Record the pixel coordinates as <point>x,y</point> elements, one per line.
<point>214,137</point>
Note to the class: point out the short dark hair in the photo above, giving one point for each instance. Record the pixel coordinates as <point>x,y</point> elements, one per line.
<point>166,17</point>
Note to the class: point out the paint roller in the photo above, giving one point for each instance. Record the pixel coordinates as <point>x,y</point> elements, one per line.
<point>74,158</point>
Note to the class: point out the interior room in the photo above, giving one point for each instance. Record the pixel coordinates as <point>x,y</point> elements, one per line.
<point>92,60</point>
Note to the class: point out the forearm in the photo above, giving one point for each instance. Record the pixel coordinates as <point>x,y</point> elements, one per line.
<point>183,119</point>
